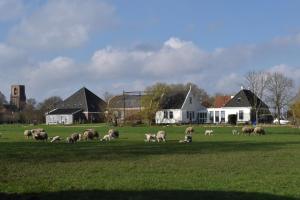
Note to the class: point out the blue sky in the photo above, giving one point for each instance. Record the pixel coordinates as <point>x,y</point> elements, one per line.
<point>56,47</point>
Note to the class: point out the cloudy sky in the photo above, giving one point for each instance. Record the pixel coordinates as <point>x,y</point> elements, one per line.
<point>55,47</point>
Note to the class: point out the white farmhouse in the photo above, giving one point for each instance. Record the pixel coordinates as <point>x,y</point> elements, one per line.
<point>239,109</point>
<point>182,109</point>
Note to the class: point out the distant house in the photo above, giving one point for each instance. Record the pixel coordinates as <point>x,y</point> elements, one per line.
<point>125,106</point>
<point>182,109</point>
<point>82,106</point>
<point>242,107</point>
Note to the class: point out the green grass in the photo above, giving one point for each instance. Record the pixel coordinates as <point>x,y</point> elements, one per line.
<point>222,166</point>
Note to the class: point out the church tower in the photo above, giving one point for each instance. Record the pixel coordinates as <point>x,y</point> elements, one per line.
<point>18,96</point>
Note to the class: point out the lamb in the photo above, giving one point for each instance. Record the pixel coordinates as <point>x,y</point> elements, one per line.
<point>189,130</point>
<point>161,136</point>
<point>235,132</point>
<point>55,139</point>
<point>150,137</point>
<point>27,133</point>
<point>187,139</point>
<point>40,136</point>
<point>107,137</point>
<point>113,133</point>
<point>259,130</point>
<point>208,132</point>
<point>247,130</point>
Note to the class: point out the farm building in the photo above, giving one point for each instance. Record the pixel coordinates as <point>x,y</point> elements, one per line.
<point>240,107</point>
<point>125,106</point>
<point>82,106</point>
<point>182,109</point>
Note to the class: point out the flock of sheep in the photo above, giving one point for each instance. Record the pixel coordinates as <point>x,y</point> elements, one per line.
<point>88,134</point>
<point>160,136</point>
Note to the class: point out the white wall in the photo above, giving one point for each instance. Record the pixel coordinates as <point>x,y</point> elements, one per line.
<point>59,119</point>
<point>177,116</point>
<point>230,111</point>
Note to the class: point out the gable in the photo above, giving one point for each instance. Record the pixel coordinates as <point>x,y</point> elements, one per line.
<point>191,102</point>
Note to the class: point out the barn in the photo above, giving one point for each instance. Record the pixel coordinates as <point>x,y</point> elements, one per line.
<point>81,107</point>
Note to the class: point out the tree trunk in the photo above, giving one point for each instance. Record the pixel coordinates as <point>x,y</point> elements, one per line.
<point>279,114</point>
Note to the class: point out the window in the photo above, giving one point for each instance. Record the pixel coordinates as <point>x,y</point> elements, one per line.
<point>223,116</point>
<point>193,114</point>
<point>191,99</point>
<point>217,116</point>
<point>241,114</point>
<point>171,114</point>
<point>166,114</point>
<point>202,117</point>
<point>211,116</point>
<point>187,114</point>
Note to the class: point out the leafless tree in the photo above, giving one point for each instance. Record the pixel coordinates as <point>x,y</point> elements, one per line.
<point>107,96</point>
<point>257,82</point>
<point>279,91</point>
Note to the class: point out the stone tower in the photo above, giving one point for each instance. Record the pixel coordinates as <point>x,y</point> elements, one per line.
<point>18,96</point>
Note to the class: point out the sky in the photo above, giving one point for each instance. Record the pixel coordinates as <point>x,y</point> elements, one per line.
<point>55,47</point>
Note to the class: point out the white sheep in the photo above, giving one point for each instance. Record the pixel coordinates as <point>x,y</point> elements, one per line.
<point>40,136</point>
<point>189,130</point>
<point>55,139</point>
<point>150,137</point>
<point>161,136</point>
<point>208,132</point>
<point>27,133</point>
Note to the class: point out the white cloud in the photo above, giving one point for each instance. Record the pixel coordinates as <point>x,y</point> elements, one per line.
<point>62,24</point>
<point>11,9</point>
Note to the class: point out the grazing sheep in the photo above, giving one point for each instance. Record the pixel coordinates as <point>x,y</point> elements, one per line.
<point>235,132</point>
<point>55,139</point>
<point>70,140</point>
<point>113,133</point>
<point>208,132</point>
<point>150,137</point>
<point>161,136</point>
<point>40,136</point>
<point>187,139</point>
<point>189,130</point>
<point>247,130</point>
<point>259,130</point>
<point>37,130</point>
<point>27,133</point>
<point>80,136</point>
<point>90,134</point>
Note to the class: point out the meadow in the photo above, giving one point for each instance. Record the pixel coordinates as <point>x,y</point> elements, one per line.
<point>222,166</point>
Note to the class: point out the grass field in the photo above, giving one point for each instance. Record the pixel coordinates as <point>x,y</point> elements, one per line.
<point>222,166</point>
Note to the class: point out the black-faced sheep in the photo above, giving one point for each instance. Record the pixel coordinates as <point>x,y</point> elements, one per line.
<point>75,136</point>
<point>187,139</point>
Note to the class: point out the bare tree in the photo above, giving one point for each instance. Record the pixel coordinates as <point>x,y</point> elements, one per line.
<point>107,96</point>
<point>257,82</point>
<point>279,91</point>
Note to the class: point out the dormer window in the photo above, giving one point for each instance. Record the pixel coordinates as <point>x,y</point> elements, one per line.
<point>238,100</point>
<point>191,99</point>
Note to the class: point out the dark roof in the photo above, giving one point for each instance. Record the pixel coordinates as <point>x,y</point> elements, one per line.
<point>245,98</point>
<point>173,101</point>
<point>66,111</point>
<point>84,99</point>
<point>131,101</point>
